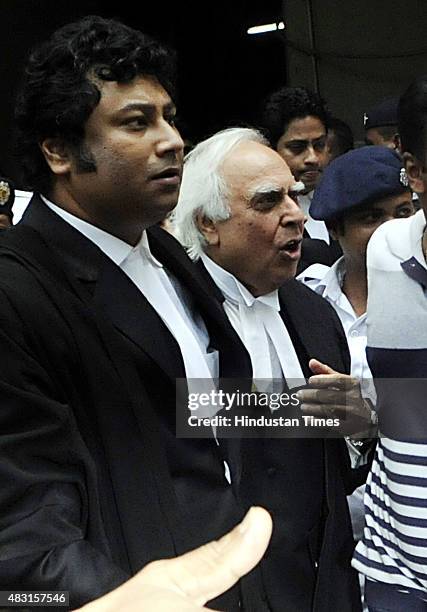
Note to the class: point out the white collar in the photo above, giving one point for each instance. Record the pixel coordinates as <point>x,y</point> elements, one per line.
<point>331,284</point>
<point>304,200</point>
<point>261,328</point>
<point>116,249</point>
<point>314,227</point>
<point>233,289</point>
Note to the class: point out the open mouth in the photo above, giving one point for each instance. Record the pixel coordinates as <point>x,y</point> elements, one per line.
<point>292,246</point>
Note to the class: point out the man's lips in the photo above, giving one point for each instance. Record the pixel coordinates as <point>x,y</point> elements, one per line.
<point>292,248</point>
<point>168,176</point>
<point>310,174</point>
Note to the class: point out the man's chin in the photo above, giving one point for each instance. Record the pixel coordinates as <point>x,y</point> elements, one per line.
<point>284,276</point>
<point>157,209</point>
<point>166,203</point>
<point>310,180</point>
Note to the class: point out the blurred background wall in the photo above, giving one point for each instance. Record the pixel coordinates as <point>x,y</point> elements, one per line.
<point>354,51</point>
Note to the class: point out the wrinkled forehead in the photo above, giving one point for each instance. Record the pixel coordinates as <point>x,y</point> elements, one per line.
<point>252,165</point>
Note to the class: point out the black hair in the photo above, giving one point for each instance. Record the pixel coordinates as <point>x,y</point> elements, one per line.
<point>336,224</point>
<point>412,118</point>
<point>287,104</point>
<point>59,90</point>
<point>342,139</point>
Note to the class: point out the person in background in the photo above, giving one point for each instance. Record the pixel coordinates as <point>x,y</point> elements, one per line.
<point>18,198</point>
<point>393,551</point>
<point>358,192</point>
<point>295,120</point>
<point>7,198</point>
<point>340,138</point>
<point>380,124</point>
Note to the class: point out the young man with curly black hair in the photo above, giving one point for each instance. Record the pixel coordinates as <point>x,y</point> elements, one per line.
<point>295,122</point>
<point>101,313</point>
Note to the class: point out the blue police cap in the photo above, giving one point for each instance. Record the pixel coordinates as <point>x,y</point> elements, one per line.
<point>382,115</point>
<point>361,176</point>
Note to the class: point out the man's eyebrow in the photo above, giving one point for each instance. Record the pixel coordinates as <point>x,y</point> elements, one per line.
<point>297,141</point>
<point>265,190</point>
<point>146,107</point>
<point>301,141</point>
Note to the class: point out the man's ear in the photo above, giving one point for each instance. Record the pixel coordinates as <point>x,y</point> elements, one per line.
<point>397,143</point>
<point>57,155</point>
<point>333,233</point>
<point>414,170</point>
<point>207,227</point>
<point>332,227</point>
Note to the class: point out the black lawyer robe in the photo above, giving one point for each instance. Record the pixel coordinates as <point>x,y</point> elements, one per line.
<point>93,482</point>
<point>304,482</point>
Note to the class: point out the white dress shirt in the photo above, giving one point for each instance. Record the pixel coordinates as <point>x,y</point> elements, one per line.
<point>258,322</point>
<point>315,228</point>
<point>22,199</point>
<point>327,282</point>
<point>162,291</point>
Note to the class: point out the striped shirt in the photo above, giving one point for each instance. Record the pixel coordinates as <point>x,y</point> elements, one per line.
<point>393,549</point>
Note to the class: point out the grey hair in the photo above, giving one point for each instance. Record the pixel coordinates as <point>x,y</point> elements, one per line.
<point>203,189</point>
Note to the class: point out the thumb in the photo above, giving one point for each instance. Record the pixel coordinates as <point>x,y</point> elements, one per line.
<point>317,367</point>
<point>208,571</point>
<point>215,567</point>
<point>189,581</point>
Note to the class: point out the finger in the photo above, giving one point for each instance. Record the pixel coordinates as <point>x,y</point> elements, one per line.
<point>333,420</point>
<point>210,570</point>
<point>334,410</point>
<point>322,396</point>
<point>317,367</point>
<point>348,415</point>
<point>336,380</point>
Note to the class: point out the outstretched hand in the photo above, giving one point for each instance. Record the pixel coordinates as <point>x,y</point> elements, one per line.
<point>186,583</point>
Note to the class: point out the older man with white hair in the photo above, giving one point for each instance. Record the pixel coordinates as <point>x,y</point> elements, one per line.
<point>237,217</point>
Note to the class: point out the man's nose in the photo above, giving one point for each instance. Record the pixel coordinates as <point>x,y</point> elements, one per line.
<point>312,156</point>
<point>169,140</point>
<point>294,213</point>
